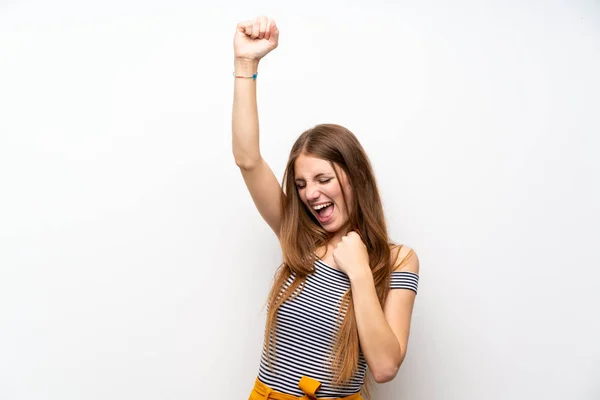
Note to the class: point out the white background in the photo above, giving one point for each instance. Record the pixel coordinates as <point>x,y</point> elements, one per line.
<point>133,264</point>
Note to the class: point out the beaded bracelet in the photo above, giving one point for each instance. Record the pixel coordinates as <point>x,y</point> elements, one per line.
<point>253,77</point>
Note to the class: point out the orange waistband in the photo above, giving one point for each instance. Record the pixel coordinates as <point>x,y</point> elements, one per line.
<point>308,385</point>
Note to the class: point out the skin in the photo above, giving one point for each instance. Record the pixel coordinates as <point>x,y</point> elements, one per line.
<point>383,331</point>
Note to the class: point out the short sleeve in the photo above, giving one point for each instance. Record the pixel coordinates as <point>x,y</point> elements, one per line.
<point>404,280</point>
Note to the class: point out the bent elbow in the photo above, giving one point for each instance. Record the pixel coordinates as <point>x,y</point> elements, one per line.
<point>246,163</point>
<point>385,371</point>
<point>384,375</point>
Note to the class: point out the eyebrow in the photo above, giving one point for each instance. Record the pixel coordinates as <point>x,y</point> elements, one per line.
<point>317,176</point>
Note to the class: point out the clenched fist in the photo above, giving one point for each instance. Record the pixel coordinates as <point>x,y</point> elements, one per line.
<point>255,38</point>
<point>351,256</point>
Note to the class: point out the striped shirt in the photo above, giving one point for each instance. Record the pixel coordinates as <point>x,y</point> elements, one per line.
<point>306,328</point>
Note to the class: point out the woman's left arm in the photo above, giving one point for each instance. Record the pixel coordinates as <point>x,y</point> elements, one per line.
<point>383,332</point>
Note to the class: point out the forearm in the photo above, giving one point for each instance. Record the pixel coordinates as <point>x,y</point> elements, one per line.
<point>378,342</point>
<point>245,137</point>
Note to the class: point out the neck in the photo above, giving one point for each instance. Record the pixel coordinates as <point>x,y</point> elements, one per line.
<point>336,237</point>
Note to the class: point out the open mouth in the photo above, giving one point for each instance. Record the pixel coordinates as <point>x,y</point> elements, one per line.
<point>324,211</point>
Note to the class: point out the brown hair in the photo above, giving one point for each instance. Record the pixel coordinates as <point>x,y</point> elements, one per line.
<point>301,234</point>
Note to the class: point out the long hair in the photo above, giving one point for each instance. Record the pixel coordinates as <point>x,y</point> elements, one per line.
<point>301,234</point>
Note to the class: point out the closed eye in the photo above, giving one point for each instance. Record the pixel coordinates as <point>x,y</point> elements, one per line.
<point>301,185</point>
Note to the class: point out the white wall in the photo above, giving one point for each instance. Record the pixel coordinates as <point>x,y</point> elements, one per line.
<point>133,264</point>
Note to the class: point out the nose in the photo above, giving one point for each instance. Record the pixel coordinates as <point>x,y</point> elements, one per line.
<point>312,192</point>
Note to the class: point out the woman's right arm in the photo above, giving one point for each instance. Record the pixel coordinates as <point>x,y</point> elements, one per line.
<point>253,40</point>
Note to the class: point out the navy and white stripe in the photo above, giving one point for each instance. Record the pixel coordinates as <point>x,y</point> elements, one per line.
<point>306,328</point>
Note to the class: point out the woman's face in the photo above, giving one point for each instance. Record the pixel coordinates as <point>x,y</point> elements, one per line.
<point>321,191</point>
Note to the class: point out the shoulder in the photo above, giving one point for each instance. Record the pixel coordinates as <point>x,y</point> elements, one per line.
<point>404,258</point>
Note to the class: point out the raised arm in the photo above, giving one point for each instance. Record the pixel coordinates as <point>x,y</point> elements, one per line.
<point>253,40</point>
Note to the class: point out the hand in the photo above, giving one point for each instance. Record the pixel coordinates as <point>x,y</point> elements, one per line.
<point>351,255</point>
<point>254,39</point>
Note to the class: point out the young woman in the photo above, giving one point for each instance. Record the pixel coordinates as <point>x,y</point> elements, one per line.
<point>343,297</point>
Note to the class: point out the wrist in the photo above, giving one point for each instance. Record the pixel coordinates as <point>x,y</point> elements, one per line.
<point>245,66</point>
<point>360,273</point>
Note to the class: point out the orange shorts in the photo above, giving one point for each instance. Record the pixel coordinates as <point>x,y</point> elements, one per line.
<point>308,385</point>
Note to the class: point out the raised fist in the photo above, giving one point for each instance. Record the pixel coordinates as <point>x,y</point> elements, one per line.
<point>255,38</point>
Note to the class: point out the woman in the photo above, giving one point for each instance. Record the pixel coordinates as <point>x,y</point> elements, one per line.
<point>343,297</point>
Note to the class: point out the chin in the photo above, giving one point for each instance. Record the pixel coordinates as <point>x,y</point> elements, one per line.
<point>330,229</point>
<point>335,227</point>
